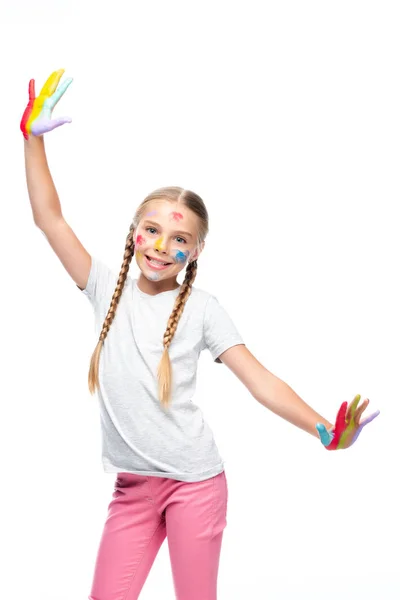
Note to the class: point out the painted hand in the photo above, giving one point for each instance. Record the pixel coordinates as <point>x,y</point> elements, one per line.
<point>36,119</point>
<point>347,426</point>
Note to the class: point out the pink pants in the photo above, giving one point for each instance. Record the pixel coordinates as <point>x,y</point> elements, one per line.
<point>144,510</point>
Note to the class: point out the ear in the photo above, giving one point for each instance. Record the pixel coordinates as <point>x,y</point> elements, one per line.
<point>198,251</point>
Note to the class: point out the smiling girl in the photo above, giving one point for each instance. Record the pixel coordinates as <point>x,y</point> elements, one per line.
<point>170,479</point>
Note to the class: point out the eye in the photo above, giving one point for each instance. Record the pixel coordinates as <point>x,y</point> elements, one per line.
<point>155,230</point>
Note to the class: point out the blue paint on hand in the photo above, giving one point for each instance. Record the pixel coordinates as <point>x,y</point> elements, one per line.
<point>324,435</point>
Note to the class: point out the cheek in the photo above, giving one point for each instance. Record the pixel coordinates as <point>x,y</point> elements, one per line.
<point>140,240</point>
<point>181,257</point>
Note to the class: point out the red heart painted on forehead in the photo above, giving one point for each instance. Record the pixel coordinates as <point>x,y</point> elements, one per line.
<point>176,216</point>
<point>140,240</point>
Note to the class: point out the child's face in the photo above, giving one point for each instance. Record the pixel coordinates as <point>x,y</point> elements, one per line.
<point>167,232</point>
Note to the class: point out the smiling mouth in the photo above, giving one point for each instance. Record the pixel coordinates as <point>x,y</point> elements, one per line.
<point>156,261</point>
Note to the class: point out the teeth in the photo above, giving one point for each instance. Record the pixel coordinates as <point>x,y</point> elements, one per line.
<point>157,262</point>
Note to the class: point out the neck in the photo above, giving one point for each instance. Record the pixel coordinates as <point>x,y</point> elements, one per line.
<point>155,287</point>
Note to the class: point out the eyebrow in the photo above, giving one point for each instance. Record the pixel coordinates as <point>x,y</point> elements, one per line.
<point>176,231</point>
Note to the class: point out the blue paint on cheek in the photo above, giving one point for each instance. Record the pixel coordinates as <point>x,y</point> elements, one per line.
<point>180,257</point>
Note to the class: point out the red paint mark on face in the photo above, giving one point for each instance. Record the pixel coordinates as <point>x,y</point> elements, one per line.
<point>175,216</point>
<point>140,240</point>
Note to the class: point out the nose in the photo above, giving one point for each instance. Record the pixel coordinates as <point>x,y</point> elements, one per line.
<point>161,245</point>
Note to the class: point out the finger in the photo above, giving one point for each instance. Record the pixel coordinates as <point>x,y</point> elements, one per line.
<point>359,411</point>
<point>324,435</point>
<point>352,408</point>
<point>31,90</point>
<point>47,83</point>
<point>370,418</point>
<point>340,426</point>
<point>350,426</point>
<point>41,126</point>
<point>52,101</point>
<point>46,91</point>
<point>340,422</point>
<point>60,121</point>
<point>28,109</point>
<point>363,423</point>
<point>51,83</point>
<point>56,81</point>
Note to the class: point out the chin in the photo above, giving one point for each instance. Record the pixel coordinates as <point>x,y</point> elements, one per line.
<point>152,276</point>
<point>149,275</point>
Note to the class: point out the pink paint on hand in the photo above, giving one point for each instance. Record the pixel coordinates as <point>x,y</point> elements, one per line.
<point>28,109</point>
<point>348,426</point>
<point>340,426</point>
<point>37,118</point>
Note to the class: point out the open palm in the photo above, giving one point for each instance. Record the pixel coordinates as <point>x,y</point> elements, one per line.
<point>37,119</point>
<point>348,425</point>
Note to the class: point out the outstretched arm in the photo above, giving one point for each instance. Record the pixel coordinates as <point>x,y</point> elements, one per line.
<point>278,396</point>
<point>270,391</point>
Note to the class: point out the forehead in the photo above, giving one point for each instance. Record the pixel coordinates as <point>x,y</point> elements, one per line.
<point>171,214</point>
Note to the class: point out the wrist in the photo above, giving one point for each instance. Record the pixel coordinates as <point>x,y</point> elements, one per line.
<point>33,143</point>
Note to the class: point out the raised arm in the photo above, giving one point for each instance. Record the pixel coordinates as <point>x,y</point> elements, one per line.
<point>45,203</point>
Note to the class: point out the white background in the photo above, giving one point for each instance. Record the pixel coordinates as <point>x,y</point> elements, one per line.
<point>284,117</point>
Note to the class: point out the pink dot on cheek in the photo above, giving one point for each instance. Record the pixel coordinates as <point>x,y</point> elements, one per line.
<point>140,240</point>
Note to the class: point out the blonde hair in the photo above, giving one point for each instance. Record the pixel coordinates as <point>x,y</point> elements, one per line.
<point>164,372</point>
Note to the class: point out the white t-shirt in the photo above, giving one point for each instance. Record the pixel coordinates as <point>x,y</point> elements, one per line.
<point>138,435</point>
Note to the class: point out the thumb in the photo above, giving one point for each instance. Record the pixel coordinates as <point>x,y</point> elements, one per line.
<point>324,435</point>
<point>41,126</point>
<point>61,121</point>
<point>57,123</point>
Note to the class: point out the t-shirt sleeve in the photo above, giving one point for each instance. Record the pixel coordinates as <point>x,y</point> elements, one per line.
<point>219,330</point>
<point>101,283</point>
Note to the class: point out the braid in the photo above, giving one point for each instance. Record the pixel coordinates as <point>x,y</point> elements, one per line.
<point>180,302</point>
<point>164,369</point>
<point>93,377</point>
